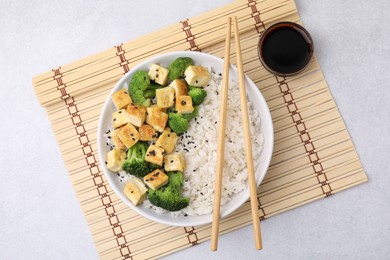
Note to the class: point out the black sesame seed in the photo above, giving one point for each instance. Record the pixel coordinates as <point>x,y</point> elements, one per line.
<point>157,76</point>
<point>125,92</point>
<point>185,180</point>
<point>194,146</point>
<point>109,137</point>
<point>215,122</point>
<point>114,119</point>
<point>185,215</point>
<point>183,103</point>
<point>131,134</point>
<point>133,139</point>
<point>171,161</point>
<point>107,144</point>
<point>151,179</point>
<point>201,193</point>
<point>207,141</point>
<point>131,191</point>
<point>169,135</point>
<point>122,177</point>
<point>152,153</point>
<point>106,163</point>
<point>119,112</point>
<point>117,174</point>
<point>194,170</point>
<point>220,74</point>
<point>196,81</point>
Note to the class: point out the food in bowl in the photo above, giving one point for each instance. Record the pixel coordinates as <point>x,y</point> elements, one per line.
<point>170,164</point>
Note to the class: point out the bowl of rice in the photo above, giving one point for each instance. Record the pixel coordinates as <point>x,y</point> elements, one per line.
<point>199,145</point>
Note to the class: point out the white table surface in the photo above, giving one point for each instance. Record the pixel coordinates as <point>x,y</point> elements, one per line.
<point>40,217</point>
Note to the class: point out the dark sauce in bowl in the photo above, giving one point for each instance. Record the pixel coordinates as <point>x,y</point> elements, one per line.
<point>285,48</point>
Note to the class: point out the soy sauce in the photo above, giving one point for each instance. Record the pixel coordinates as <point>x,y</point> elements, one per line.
<point>285,48</point>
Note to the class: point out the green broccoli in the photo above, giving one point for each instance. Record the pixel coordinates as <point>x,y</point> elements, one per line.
<point>192,115</point>
<point>197,94</point>
<point>138,85</point>
<point>178,123</point>
<point>178,66</point>
<point>150,92</point>
<point>135,163</point>
<point>169,197</point>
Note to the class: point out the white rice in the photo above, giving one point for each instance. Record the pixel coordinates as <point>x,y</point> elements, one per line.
<point>199,146</point>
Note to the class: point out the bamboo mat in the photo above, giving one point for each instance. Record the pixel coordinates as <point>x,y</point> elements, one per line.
<point>313,158</point>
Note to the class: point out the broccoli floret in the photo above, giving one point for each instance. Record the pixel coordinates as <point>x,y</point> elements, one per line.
<point>169,197</point>
<point>178,123</point>
<point>192,115</point>
<point>197,94</point>
<point>138,85</point>
<point>135,163</point>
<point>178,66</point>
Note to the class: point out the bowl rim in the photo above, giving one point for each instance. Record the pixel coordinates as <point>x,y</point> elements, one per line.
<point>265,118</point>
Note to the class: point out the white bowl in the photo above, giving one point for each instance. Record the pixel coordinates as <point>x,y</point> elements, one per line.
<point>261,163</point>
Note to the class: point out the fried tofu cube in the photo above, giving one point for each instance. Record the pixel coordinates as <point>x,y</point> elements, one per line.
<point>128,135</point>
<point>165,97</point>
<point>197,76</point>
<point>184,105</point>
<point>159,74</point>
<point>121,99</point>
<point>156,118</point>
<point>135,191</point>
<point>156,179</point>
<point>120,118</point>
<point>137,114</point>
<point>174,162</point>
<point>115,158</point>
<point>115,139</point>
<point>147,133</point>
<point>154,155</point>
<point>167,140</point>
<point>180,87</point>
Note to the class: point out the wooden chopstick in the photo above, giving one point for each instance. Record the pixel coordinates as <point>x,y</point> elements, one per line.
<point>247,139</point>
<point>221,141</point>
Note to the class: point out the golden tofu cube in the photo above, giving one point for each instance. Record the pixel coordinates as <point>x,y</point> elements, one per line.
<point>156,118</point>
<point>197,76</point>
<point>156,179</point>
<point>167,140</point>
<point>180,87</point>
<point>115,139</point>
<point>154,155</point>
<point>128,135</point>
<point>184,105</point>
<point>159,74</point>
<point>135,191</point>
<point>165,97</point>
<point>121,99</point>
<point>174,162</point>
<point>147,133</point>
<point>115,158</point>
<point>137,114</point>
<point>120,118</point>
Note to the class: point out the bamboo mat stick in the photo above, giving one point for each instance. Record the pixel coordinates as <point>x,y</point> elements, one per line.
<point>221,141</point>
<point>248,144</point>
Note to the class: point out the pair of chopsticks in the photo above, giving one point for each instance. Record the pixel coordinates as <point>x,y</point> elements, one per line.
<point>247,139</point>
